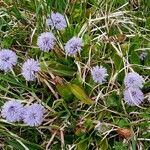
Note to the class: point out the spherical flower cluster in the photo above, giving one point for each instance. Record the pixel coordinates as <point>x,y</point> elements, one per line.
<point>57,21</point>
<point>133,95</point>
<point>99,74</point>
<point>46,41</point>
<point>73,46</point>
<point>14,111</point>
<point>34,115</point>
<point>30,69</point>
<point>8,59</point>
<point>133,79</point>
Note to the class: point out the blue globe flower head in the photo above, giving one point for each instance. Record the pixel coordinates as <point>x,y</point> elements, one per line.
<point>12,111</point>
<point>133,79</point>
<point>133,96</point>
<point>33,115</point>
<point>8,59</point>
<point>57,21</point>
<point>30,69</point>
<point>46,41</point>
<point>73,46</point>
<point>99,74</point>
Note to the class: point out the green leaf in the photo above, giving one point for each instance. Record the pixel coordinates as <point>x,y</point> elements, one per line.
<point>7,42</point>
<point>17,13</point>
<point>6,90</point>
<point>57,68</point>
<point>64,91</point>
<point>118,62</point>
<point>113,100</point>
<point>89,124</point>
<point>83,145</point>
<point>125,48</point>
<point>31,146</point>
<point>120,146</point>
<point>104,144</point>
<point>122,123</point>
<point>11,80</point>
<point>80,94</point>
<point>15,144</point>
<point>134,59</point>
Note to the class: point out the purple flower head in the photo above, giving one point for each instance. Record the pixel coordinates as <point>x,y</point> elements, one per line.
<point>99,74</point>
<point>34,115</point>
<point>8,59</point>
<point>12,111</point>
<point>133,96</point>
<point>73,46</point>
<point>133,79</point>
<point>30,69</point>
<point>56,20</point>
<point>46,41</point>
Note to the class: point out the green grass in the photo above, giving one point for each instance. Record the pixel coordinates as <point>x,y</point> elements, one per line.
<point>81,115</point>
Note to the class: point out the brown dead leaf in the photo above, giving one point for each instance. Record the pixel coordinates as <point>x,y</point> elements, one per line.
<point>124,133</point>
